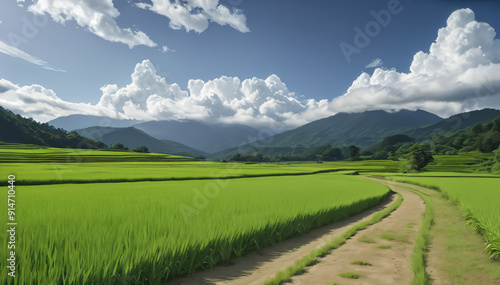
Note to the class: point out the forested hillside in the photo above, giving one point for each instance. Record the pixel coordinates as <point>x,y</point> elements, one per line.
<point>17,129</point>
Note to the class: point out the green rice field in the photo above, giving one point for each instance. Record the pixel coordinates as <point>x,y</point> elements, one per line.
<point>35,166</point>
<point>33,153</point>
<point>479,196</point>
<point>92,172</point>
<point>145,232</point>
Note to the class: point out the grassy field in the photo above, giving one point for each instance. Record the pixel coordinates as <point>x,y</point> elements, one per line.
<point>33,154</point>
<point>462,163</point>
<point>35,166</point>
<point>92,172</point>
<point>479,196</point>
<point>146,231</point>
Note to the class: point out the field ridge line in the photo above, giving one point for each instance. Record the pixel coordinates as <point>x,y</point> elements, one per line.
<point>160,179</point>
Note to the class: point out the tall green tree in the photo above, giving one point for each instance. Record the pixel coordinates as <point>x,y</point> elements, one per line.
<point>419,156</point>
<point>118,146</point>
<point>496,166</point>
<point>143,149</point>
<point>236,157</point>
<point>331,154</point>
<point>354,152</point>
<point>258,156</point>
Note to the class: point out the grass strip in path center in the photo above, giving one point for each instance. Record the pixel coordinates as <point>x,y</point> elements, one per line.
<point>419,255</point>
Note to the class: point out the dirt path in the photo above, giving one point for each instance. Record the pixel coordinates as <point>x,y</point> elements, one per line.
<point>258,267</point>
<point>388,265</point>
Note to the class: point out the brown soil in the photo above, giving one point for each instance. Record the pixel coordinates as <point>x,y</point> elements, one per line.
<point>260,266</point>
<point>389,266</point>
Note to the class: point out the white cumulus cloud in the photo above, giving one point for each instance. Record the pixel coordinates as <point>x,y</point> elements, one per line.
<point>195,15</point>
<point>461,72</point>
<point>254,101</point>
<point>97,16</point>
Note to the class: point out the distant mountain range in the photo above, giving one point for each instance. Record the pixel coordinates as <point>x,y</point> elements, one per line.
<point>76,122</point>
<point>206,137</point>
<point>361,129</point>
<point>202,136</point>
<point>133,138</point>
<point>200,139</point>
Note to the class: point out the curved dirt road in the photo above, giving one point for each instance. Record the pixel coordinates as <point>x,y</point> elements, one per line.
<point>260,266</point>
<point>389,265</point>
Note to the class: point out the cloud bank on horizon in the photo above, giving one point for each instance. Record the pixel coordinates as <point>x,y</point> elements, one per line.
<point>460,72</point>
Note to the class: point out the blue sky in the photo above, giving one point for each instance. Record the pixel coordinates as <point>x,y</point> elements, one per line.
<point>297,41</point>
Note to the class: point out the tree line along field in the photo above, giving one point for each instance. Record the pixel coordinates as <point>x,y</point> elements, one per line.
<point>148,231</point>
<point>478,196</point>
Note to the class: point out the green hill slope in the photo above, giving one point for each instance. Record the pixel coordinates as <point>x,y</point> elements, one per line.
<point>132,138</point>
<point>454,123</point>
<point>391,143</point>
<point>17,129</point>
<point>361,129</point>
<point>484,137</point>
